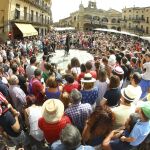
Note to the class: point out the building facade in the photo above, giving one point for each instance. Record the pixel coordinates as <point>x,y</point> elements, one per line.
<point>136,20</point>
<point>87,18</point>
<point>16,16</point>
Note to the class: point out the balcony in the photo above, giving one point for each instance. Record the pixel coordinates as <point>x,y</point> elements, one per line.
<point>138,20</point>
<point>39,5</point>
<point>28,18</point>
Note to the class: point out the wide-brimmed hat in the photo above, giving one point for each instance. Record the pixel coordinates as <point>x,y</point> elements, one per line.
<point>52,110</point>
<point>88,78</point>
<point>130,93</point>
<point>146,109</point>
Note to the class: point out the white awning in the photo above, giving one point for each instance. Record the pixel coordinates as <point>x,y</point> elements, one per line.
<point>26,29</point>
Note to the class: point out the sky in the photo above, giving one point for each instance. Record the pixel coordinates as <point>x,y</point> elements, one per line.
<point>63,8</point>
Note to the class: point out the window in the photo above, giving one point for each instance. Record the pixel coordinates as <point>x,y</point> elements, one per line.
<point>142,17</point>
<point>147,20</point>
<point>147,30</point>
<point>36,16</point>
<point>25,13</point>
<point>45,20</point>
<point>32,15</point>
<point>17,11</point>
<point>129,10</point>
<point>141,26</point>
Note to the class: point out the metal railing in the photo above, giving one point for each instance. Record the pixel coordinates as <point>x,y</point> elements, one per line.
<point>42,6</point>
<point>29,18</point>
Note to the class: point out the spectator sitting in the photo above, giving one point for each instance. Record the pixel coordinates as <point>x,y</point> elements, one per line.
<point>78,112</point>
<point>70,139</point>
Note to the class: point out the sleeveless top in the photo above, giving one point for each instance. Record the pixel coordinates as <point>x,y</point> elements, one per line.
<point>34,114</point>
<point>50,95</point>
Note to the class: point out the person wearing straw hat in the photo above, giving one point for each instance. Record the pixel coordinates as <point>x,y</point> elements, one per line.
<point>123,111</point>
<point>53,119</point>
<point>88,91</point>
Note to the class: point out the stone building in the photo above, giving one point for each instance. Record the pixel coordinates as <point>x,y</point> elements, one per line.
<point>136,20</point>
<point>21,18</point>
<point>87,18</point>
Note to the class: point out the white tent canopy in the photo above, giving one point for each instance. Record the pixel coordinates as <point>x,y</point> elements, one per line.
<point>115,31</point>
<point>64,29</point>
<point>145,38</point>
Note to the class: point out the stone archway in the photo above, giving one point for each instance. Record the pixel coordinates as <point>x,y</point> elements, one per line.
<point>113,20</point>
<point>104,19</point>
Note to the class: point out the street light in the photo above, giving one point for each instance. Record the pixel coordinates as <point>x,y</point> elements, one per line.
<point>3,20</point>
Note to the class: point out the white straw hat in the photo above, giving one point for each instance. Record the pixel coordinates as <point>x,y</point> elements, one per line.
<point>52,110</point>
<point>88,78</point>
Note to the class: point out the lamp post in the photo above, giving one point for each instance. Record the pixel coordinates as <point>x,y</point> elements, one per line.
<point>3,20</point>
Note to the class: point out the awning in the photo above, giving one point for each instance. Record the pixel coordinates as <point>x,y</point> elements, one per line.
<point>26,29</point>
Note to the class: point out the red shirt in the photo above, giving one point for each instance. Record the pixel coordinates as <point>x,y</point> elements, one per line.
<point>52,131</point>
<point>81,75</point>
<point>37,87</point>
<point>69,87</point>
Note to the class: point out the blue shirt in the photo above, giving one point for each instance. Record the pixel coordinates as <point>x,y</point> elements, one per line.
<point>140,132</point>
<point>59,146</point>
<point>89,96</point>
<point>78,114</point>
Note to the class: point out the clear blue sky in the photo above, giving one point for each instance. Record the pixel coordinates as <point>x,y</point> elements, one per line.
<point>63,8</point>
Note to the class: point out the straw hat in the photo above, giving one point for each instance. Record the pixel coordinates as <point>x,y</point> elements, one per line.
<point>88,78</point>
<point>52,110</point>
<point>130,93</point>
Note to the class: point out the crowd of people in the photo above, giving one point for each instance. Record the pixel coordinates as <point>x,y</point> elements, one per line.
<point>101,104</point>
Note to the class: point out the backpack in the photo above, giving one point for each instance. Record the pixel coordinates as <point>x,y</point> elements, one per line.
<point>30,90</point>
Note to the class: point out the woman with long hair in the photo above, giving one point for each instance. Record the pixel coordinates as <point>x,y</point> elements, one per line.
<point>98,125</point>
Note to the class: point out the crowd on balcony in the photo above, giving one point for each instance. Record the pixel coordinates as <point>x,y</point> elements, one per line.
<point>100,104</point>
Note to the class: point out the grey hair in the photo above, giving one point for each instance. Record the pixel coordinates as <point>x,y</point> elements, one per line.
<point>70,137</point>
<point>13,80</point>
<point>75,96</point>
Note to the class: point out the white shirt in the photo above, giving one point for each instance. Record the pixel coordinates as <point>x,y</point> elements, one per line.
<point>30,71</point>
<point>146,75</point>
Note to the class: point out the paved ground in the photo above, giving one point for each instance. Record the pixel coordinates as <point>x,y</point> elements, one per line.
<point>63,61</point>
